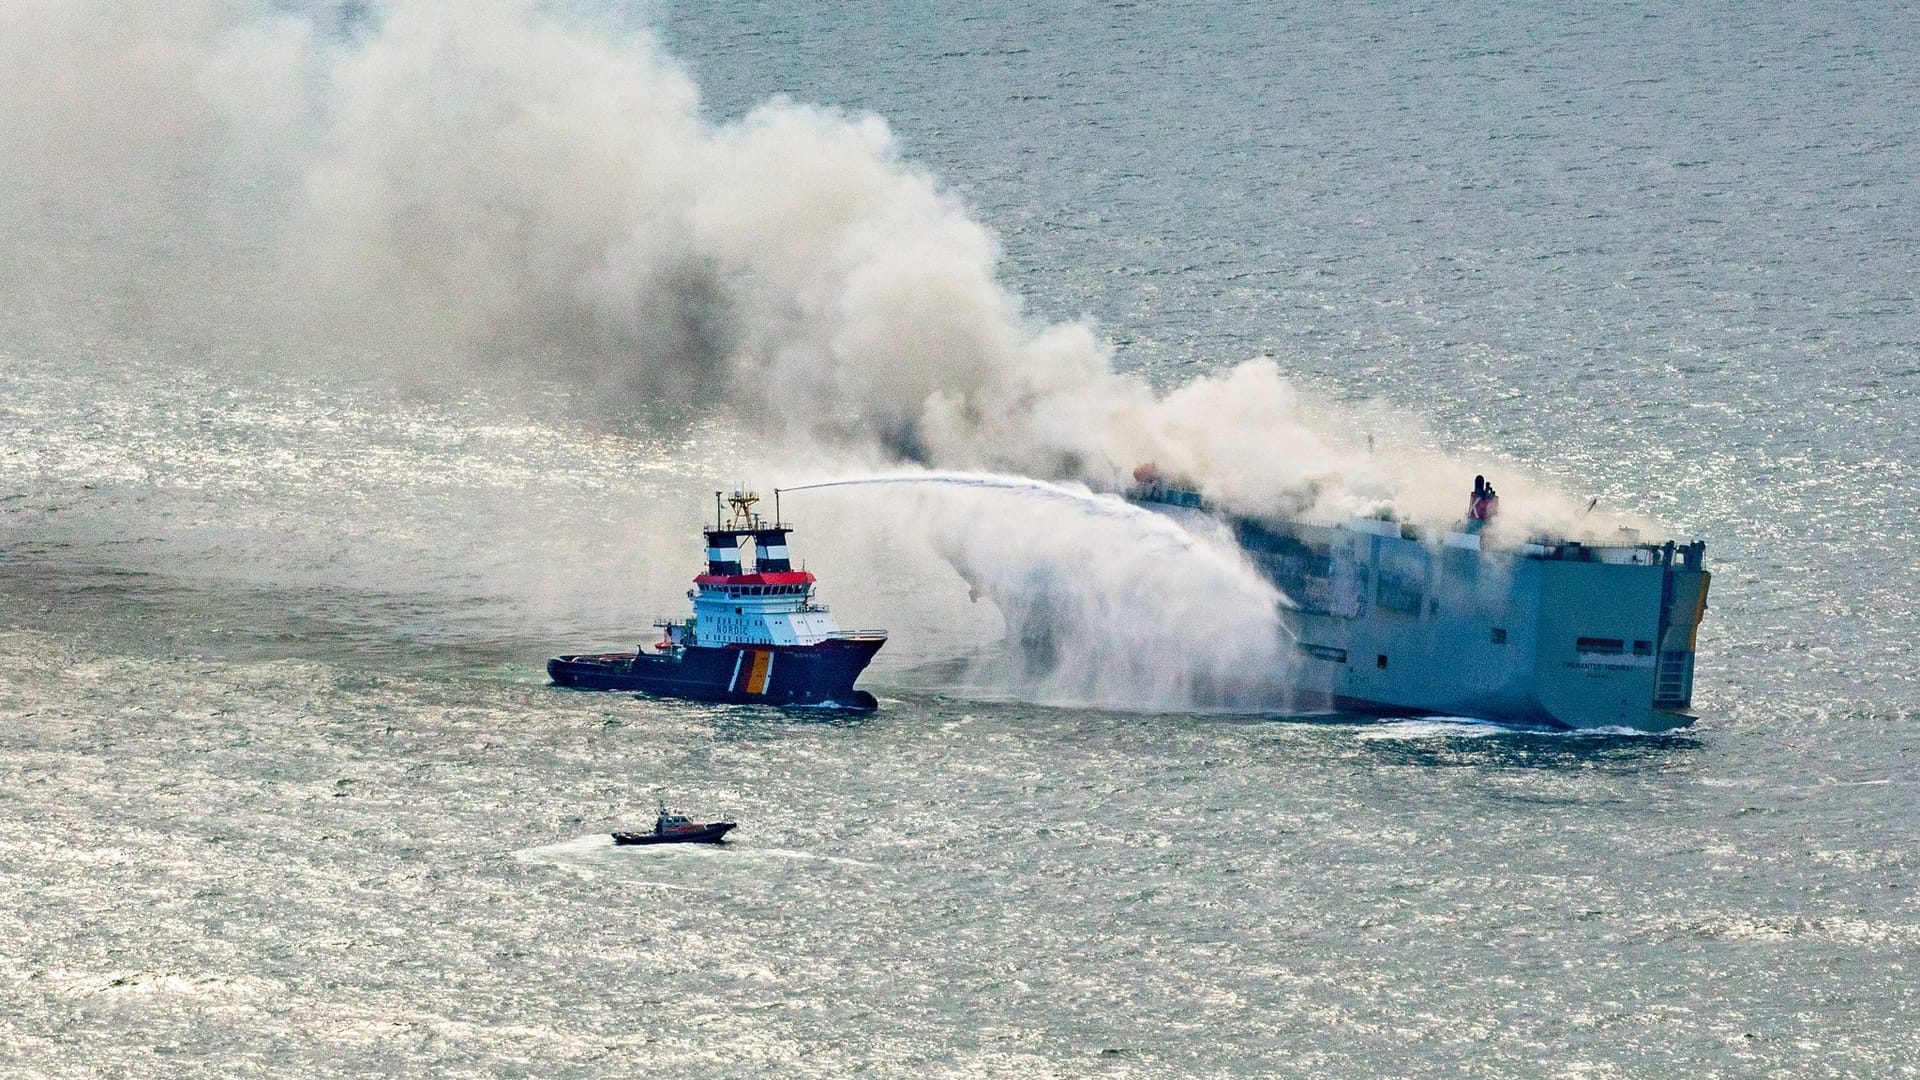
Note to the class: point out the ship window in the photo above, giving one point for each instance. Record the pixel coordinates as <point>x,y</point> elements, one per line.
<point>738,611</point>
<point>1381,660</point>
<point>1643,648</point>
<point>1499,635</point>
<point>1611,646</point>
<point>1324,652</point>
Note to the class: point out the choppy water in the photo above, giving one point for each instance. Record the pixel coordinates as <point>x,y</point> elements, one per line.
<point>282,790</point>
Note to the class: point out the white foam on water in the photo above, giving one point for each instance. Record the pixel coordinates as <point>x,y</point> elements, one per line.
<point>788,853</point>
<point>1467,727</point>
<point>595,855</point>
<point>1434,727</point>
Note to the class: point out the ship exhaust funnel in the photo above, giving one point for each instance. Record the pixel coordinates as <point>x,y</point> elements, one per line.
<point>770,552</point>
<point>723,552</point>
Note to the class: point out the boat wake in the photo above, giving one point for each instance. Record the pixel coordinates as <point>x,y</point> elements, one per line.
<point>810,856</point>
<point>595,856</point>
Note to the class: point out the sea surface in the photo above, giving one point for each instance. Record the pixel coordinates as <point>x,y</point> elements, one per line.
<point>284,792</point>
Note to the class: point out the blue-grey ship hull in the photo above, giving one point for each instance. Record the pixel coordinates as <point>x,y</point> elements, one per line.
<point>1556,634</point>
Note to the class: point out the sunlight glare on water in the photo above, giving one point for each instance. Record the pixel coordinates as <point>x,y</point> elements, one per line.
<point>284,789</point>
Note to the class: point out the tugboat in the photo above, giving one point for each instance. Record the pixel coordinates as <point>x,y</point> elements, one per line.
<point>672,828</point>
<point>756,635</point>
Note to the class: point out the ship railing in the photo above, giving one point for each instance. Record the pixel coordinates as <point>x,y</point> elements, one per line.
<point>1564,550</point>
<point>857,634</point>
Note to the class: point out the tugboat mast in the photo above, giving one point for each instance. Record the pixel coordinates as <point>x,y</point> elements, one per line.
<point>744,519</point>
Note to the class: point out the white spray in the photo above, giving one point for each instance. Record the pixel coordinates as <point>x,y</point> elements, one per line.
<point>1105,603</point>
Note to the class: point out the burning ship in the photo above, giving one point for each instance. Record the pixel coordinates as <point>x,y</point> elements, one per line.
<point>1391,619</point>
<point>756,634</point>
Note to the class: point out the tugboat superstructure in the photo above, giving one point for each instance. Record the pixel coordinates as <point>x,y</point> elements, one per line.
<point>756,634</point>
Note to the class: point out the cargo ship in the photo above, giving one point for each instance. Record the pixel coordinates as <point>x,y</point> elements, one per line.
<point>756,636</point>
<point>1387,618</point>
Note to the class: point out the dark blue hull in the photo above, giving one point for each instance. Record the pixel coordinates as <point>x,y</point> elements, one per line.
<point>820,674</point>
<point>706,834</point>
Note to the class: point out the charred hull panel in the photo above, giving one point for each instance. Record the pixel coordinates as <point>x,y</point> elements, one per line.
<point>818,674</point>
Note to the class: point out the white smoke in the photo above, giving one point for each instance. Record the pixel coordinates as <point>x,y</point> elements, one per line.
<point>428,185</point>
<point>430,188</point>
<point>1105,603</point>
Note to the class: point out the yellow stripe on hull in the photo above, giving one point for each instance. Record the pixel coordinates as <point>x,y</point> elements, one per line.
<point>757,675</point>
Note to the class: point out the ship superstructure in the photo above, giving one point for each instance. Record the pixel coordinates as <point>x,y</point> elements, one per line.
<point>757,634</point>
<point>1553,632</point>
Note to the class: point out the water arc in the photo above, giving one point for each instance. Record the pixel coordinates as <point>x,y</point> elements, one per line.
<point>1139,612</point>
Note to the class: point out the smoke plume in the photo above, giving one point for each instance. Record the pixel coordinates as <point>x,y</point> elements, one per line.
<point>427,186</point>
<point>432,190</point>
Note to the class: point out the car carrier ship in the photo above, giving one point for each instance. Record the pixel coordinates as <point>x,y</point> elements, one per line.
<point>757,636</point>
<point>1391,619</point>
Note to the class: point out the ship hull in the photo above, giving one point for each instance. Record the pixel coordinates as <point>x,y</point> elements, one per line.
<point>1556,645</point>
<point>713,833</point>
<point>821,674</point>
<point>1391,621</point>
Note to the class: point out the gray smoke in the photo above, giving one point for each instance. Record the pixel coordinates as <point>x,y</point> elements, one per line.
<point>442,191</point>
<point>426,187</point>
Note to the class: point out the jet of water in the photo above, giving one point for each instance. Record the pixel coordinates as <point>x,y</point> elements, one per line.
<point>1106,603</point>
<point>1150,526</point>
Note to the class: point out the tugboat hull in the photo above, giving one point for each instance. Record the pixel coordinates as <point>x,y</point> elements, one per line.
<point>817,674</point>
